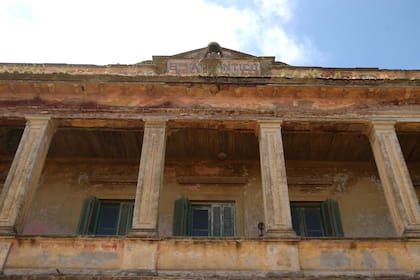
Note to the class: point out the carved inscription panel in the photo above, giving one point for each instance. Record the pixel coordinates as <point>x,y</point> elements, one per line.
<point>219,67</point>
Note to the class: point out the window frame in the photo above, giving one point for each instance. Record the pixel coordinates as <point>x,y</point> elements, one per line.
<point>210,206</point>
<point>302,206</point>
<point>183,217</point>
<point>209,220</point>
<point>90,216</point>
<point>330,220</point>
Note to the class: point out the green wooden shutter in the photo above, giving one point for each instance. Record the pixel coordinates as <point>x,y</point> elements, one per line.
<point>182,217</point>
<point>216,222</point>
<point>331,218</point>
<point>88,216</point>
<point>125,217</point>
<point>228,221</point>
<point>93,224</point>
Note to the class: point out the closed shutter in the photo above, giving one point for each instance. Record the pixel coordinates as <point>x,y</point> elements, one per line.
<point>182,217</point>
<point>88,216</point>
<point>297,220</point>
<point>331,218</point>
<point>228,221</point>
<point>126,216</point>
<point>217,221</point>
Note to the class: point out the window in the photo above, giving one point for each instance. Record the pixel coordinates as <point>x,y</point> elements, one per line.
<point>105,217</point>
<point>316,219</point>
<point>204,219</point>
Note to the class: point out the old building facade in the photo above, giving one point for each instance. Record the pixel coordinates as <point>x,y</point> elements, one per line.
<point>209,163</point>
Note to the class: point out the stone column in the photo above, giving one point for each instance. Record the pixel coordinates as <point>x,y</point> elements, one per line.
<point>395,178</point>
<point>152,163</point>
<point>25,171</point>
<point>278,221</point>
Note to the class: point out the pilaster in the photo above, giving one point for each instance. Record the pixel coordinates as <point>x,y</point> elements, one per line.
<point>152,163</point>
<point>395,178</point>
<point>25,171</point>
<point>278,221</point>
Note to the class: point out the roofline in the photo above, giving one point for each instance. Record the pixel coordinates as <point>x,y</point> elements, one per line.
<point>276,70</point>
<point>150,63</point>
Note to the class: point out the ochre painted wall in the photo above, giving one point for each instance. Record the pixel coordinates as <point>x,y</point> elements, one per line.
<point>56,206</point>
<point>187,257</point>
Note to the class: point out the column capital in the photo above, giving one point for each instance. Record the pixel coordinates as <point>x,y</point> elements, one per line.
<point>38,117</point>
<point>382,124</point>
<point>270,123</point>
<point>155,121</point>
<point>39,121</point>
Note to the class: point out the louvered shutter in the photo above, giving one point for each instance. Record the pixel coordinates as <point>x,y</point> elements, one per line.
<point>331,218</point>
<point>126,217</point>
<point>88,216</point>
<point>182,217</point>
<point>216,221</point>
<point>228,221</point>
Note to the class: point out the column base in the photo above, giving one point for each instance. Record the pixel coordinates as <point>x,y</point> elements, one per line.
<point>7,230</point>
<point>412,231</point>
<point>143,232</point>
<point>280,233</point>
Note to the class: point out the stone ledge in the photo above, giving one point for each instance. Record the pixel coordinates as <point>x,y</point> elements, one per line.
<point>181,258</point>
<point>119,277</point>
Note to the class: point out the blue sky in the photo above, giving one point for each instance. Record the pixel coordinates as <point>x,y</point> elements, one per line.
<point>381,33</point>
<point>327,33</point>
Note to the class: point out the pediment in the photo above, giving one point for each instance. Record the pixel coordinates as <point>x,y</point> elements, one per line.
<point>213,60</point>
<point>201,53</point>
<point>213,51</point>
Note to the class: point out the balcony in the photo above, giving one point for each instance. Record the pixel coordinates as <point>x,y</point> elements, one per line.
<point>210,257</point>
<point>211,165</point>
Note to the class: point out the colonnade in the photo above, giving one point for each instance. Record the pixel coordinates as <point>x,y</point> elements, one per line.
<point>24,175</point>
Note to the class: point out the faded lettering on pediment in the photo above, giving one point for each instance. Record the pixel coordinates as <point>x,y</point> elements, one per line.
<point>211,67</point>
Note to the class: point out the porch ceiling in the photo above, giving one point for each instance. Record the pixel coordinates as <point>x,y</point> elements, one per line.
<point>213,144</point>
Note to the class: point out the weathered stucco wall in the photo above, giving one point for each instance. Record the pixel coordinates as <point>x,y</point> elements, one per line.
<point>358,257</point>
<point>247,197</point>
<point>56,206</point>
<point>183,257</point>
<point>243,99</point>
<point>357,189</point>
<point>57,203</point>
